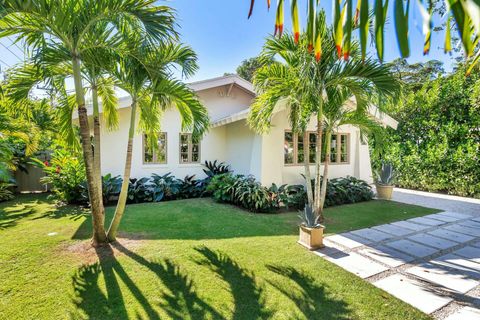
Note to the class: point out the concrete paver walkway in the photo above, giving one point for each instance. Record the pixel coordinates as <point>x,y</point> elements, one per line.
<point>438,201</point>
<point>432,262</point>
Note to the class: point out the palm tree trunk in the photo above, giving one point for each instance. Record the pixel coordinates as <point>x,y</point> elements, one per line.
<point>323,192</point>
<point>122,199</point>
<point>318,163</point>
<point>98,211</point>
<point>308,175</point>
<point>96,140</point>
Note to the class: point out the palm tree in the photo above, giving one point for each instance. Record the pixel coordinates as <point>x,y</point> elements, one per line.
<point>364,80</point>
<point>147,76</point>
<point>72,27</point>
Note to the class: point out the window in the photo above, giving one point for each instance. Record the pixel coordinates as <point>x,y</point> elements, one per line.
<point>159,155</point>
<point>189,151</point>
<point>295,144</point>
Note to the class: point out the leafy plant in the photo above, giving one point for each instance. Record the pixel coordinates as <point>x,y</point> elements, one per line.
<point>111,187</point>
<point>308,217</point>
<point>140,190</point>
<point>65,174</point>
<point>251,195</point>
<point>222,187</point>
<point>164,187</point>
<point>386,174</point>
<point>5,193</point>
<point>191,188</point>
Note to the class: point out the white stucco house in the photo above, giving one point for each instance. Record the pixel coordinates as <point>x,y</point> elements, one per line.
<point>275,157</point>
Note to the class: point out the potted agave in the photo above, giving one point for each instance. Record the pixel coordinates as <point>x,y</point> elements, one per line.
<point>385,181</point>
<point>311,232</point>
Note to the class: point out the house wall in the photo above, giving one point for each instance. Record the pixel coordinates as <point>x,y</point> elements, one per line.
<point>213,145</point>
<point>274,169</point>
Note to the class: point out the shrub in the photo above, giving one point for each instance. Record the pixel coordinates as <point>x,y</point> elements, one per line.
<point>347,190</point>
<point>222,187</point>
<point>111,187</point>
<point>164,187</point>
<point>65,174</point>
<point>5,193</point>
<point>140,190</point>
<point>191,188</point>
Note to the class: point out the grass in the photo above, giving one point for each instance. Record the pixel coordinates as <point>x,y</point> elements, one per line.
<point>196,260</point>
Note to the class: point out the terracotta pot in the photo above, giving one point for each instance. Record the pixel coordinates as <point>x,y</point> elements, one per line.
<point>311,238</point>
<point>384,192</point>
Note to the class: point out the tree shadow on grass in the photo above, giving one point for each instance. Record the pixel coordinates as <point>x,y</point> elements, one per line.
<point>179,301</point>
<point>310,298</point>
<point>248,296</point>
<point>12,212</point>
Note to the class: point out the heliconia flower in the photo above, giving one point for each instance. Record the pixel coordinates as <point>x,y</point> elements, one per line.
<point>46,163</point>
<point>279,19</point>
<point>311,25</point>
<point>58,170</point>
<point>295,21</point>
<point>339,29</point>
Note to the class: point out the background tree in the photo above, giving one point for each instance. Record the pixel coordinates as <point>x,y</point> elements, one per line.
<point>248,67</point>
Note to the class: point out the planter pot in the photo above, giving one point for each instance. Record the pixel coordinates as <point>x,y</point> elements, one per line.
<point>384,192</point>
<point>311,238</point>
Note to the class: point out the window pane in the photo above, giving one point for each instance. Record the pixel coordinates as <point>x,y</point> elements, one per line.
<point>195,157</point>
<point>312,146</point>
<point>343,148</point>
<point>300,149</point>
<point>288,148</point>
<point>148,154</point>
<point>333,149</point>
<point>161,152</point>
<point>183,157</point>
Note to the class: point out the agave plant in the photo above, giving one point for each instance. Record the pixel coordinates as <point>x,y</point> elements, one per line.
<point>386,175</point>
<point>308,217</point>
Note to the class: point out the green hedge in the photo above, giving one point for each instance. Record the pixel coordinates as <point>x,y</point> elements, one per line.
<point>436,146</point>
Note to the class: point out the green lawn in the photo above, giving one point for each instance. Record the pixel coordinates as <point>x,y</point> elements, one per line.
<point>189,259</point>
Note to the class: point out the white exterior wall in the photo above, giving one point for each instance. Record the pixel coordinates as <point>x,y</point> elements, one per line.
<point>213,145</point>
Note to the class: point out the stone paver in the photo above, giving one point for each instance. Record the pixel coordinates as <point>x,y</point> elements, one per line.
<point>451,235</point>
<point>463,229</point>
<point>388,256</point>
<point>465,313</point>
<point>432,241</point>
<point>426,221</point>
<point>372,234</point>
<point>413,292</point>
<point>412,248</point>
<point>471,253</point>
<point>470,224</point>
<point>460,263</point>
<point>393,230</point>
<point>356,264</point>
<point>451,279</point>
<point>346,240</point>
<point>410,225</point>
<point>457,215</point>
<point>442,217</point>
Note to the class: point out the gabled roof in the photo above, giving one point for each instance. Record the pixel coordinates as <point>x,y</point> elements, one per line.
<point>380,116</point>
<point>223,81</point>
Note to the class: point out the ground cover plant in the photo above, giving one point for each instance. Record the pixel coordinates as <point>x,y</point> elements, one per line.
<point>186,259</point>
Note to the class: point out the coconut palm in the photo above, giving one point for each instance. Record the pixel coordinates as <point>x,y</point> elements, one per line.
<point>147,75</point>
<point>73,27</point>
<point>364,80</point>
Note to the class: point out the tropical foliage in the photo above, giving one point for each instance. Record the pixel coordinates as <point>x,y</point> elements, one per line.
<point>462,16</point>
<point>436,146</point>
<point>331,91</point>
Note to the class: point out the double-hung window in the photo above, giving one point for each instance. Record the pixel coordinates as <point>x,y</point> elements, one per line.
<point>158,154</point>
<point>189,151</point>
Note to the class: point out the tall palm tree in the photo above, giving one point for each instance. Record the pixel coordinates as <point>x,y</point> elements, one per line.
<point>73,27</point>
<point>364,80</point>
<point>147,75</point>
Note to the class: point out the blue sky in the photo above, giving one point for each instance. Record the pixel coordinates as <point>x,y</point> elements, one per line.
<point>218,30</point>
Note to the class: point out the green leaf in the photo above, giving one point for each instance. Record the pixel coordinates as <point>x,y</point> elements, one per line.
<point>364,27</point>
<point>401,27</point>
